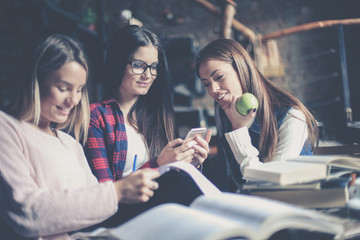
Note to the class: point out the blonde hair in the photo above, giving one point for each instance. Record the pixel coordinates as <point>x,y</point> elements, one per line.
<point>53,53</point>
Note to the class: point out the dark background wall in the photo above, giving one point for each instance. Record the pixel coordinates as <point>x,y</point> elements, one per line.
<point>310,59</point>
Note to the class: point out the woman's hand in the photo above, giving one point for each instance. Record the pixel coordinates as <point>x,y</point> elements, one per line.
<point>201,149</point>
<point>193,150</point>
<point>237,120</point>
<point>177,150</point>
<point>139,186</point>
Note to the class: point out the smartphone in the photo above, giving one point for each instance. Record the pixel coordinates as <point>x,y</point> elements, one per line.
<point>196,131</point>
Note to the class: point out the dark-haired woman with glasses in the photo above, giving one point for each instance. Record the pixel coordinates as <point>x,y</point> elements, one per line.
<point>134,126</point>
<point>136,121</point>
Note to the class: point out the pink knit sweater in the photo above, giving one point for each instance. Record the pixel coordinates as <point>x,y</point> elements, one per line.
<point>46,186</point>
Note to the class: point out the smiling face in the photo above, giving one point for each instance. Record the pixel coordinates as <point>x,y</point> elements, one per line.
<point>220,80</point>
<point>60,92</point>
<point>133,84</point>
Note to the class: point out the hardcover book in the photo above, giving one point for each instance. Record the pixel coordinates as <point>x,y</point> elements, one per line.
<point>302,169</point>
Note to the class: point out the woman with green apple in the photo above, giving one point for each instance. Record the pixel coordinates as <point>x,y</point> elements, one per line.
<point>274,128</point>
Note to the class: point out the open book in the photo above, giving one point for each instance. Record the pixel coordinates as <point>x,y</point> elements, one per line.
<point>205,186</point>
<point>179,182</point>
<point>226,216</point>
<point>302,169</point>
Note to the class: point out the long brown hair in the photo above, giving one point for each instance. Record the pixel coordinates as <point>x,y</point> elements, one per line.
<point>155,117</point>
<point>270,96</point>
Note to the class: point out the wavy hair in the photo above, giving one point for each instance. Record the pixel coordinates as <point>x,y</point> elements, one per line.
<point>155,118</point>
<point>270,96</point>
<point>50,55</point>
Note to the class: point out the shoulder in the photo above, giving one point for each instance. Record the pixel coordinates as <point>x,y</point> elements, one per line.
<point>13,131</point>
<point>8,122</point>
<point>95,106</point>
<point>295,113</point>
<point>294,120</point>
<point>98,106</point>
<point>103,106</point>
<point>102,109</point>
<point>4,117</point>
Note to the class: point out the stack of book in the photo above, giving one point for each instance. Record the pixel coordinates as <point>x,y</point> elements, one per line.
<point>308,181</point>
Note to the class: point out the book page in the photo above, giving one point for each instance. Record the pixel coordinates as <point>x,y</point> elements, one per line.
<point>174,221</point>
<point>207,187</point>
<point>264,216</point>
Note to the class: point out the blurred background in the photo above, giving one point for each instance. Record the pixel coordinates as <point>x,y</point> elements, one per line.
<point>316,62</point>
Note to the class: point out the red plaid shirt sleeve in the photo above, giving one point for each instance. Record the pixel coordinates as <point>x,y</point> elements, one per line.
<point>96,149</point>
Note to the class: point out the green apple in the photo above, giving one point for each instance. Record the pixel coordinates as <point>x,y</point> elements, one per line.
<point>245,103</point>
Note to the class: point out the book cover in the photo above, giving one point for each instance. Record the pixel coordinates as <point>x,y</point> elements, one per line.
<point>205,186</point>
<point>332,197</point>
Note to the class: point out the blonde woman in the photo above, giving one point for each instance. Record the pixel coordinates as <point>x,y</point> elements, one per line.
<point>47,188</point>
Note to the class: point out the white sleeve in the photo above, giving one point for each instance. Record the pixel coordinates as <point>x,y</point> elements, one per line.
<point>240,143</point>
<point>292,135</point>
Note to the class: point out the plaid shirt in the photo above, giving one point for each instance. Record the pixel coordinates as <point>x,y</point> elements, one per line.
<point>106,147</point>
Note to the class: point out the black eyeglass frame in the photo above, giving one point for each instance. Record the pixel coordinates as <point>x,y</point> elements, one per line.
<point>158,67</point>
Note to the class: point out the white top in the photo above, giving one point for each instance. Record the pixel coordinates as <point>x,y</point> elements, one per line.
<point>46,185</point>
<point>292,135</point>
<point>136,146</point>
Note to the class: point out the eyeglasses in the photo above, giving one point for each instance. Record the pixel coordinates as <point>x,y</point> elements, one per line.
<point>139,67</point>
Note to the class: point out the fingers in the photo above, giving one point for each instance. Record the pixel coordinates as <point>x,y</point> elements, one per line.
<point>185,153</point>
<point>237,120</point>
<point>149,173</point>
<point>200,155</point>
<point>180,150</point>
<point>138,186</point>
<point>175,143</point>
<point>149,183</point>
<point>201,151</point>
<point>187,145</point>
<point>202,146</point>
<point>155,185</point>
<point>197,150</point>
<point>147,191</point>
<point>208,136</point>
<point>252,113</point>
<point>197,160</point>
<point>202,142</point>
<point>169,152</point>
